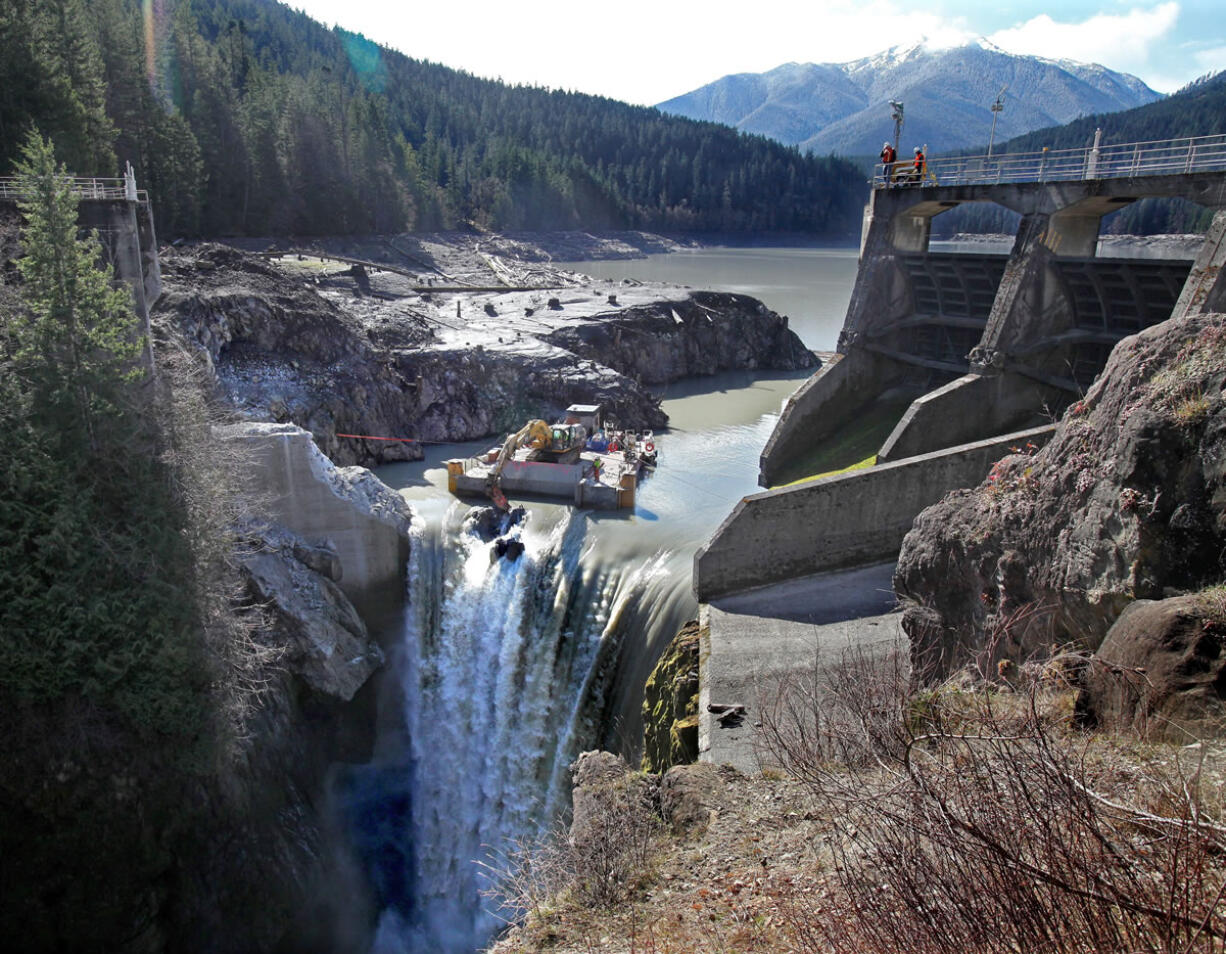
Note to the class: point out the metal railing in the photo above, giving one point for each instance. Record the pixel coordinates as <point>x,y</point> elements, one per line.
<point>10,188</point>
<point>1161,157</point>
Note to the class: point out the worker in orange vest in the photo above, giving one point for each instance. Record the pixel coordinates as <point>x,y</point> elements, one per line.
<point>917,174</point>
<point>888,155</point>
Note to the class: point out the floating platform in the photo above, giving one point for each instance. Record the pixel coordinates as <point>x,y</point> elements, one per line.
<point>575,461</point>
<point>611,486</point>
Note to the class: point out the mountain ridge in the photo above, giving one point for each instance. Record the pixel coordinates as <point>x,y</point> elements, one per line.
<point>843,108</point>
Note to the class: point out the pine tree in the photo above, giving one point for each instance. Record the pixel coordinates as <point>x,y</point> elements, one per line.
<point>77,346</point>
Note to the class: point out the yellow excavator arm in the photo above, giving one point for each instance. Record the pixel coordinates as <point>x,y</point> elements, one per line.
<point>535,433</point>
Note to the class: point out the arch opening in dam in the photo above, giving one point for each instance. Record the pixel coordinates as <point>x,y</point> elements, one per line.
<point>979,346</point>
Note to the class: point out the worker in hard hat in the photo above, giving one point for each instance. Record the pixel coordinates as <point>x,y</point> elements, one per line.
<point>888,155</point>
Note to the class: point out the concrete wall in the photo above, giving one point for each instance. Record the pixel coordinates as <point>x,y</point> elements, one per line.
<point>821,404</point>
<point>848,520</point>
<point>367,523</point>
<point>126,231</point>
<point>1205,289</point>
<point>973,408</point>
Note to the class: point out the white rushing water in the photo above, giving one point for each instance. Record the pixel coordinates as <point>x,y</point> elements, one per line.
<point>508,669</point>
<point>506,672</point>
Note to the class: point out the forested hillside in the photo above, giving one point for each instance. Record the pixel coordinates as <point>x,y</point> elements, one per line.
<point>1198,109</point>
<point>246,117</point>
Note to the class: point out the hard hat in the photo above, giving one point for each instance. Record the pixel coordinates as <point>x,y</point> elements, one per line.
<point>884,145</point>
<point>918,149</point>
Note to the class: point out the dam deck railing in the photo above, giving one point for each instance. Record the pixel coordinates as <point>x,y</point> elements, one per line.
<point>84,188</point>
<point>1124,161</point>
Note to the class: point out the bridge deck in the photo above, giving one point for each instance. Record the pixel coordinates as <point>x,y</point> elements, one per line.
<point>1122,161</point>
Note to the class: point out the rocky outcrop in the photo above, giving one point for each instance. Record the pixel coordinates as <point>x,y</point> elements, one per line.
<point>1128,501</point>
<point>704,334</point>
<point>690,797</point>
<point>1161,670</point>
<point>280,352</point>
<point>351,350</point>
<point>327,644</point>
<point>346,509</point>
<point>670,704</point>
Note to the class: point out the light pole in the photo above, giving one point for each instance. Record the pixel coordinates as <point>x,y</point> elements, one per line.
<point>996,109</point>
<point>896,115</point>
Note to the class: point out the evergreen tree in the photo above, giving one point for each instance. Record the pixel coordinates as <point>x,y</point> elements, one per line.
<point>96,599</point>
<point>77,345</point>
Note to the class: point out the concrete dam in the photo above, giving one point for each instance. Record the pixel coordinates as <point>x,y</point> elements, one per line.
<point>983,350</point>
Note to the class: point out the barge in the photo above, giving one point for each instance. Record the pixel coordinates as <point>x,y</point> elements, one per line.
<point>578,460</point>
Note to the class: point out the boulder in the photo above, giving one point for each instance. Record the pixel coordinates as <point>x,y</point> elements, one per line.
<point>1127,501</point>
<point>689,797</point>
<point>327,644</point>
<point>604,787</point>
<point>1160,671</point>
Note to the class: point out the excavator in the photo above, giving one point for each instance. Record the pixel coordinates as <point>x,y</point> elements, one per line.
<point>556,440</point>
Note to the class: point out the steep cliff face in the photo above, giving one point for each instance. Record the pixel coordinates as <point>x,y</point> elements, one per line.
<point>347,350</point>
<point>262,849</point>
<point>263,867</point>
<point>1128,501</point>
<point>670,704</point>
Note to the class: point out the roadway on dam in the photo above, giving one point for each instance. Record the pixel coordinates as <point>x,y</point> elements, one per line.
<point>755,639</point>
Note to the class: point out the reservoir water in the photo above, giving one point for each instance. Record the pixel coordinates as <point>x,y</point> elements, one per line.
<point>812,286</point>
<point>507,670</point>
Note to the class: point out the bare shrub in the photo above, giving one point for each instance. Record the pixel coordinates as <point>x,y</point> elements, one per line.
<point>829,719</point>
<point>217,500</point>
<point>610,846</point>
<point>598,861</point>
<point>978,822</point>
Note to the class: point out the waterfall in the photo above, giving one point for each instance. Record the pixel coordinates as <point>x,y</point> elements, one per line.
<point>507,670</point>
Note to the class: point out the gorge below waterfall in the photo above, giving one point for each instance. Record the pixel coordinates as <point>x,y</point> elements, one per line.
<point>507,669</point>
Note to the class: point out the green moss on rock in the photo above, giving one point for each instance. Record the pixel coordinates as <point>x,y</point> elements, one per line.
<point>670,704</point>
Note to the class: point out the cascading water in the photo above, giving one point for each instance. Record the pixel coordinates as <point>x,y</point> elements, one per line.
<point>507,671</point>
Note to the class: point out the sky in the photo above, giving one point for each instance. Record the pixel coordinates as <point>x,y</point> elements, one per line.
<point>647,51</point>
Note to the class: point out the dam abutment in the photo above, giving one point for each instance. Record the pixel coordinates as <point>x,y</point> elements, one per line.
<point>345,508</point>
<point>1040,320</point>
<point>846,520</point>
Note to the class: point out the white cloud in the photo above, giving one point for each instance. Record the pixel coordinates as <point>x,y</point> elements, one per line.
<point>646,51</point>
<point>643,51</point>
<point>1122,41</point>
<point>1211,60</point>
